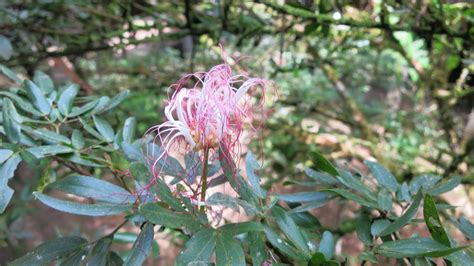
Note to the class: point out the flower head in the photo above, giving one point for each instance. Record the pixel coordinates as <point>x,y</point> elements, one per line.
<point>213,112</point>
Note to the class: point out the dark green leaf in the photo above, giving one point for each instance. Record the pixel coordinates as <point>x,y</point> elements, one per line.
<point>77,158</point>
<point>99,209</point>
<point>258,249</point>
<point>403,194</point>
<point>291,230</point>
<point>75,258</point>
<point>49,150</point>
<point>44,82</point>
<point>21,103</point>
<point>67,98</point>
<point>466,227</point>
<point>104,128</point>
<point>11,120</point>
<point>113,259</point>
<point>159,215</point>
<point>141,247</point>
<point>368,256</point>
<point>38,98</point>
<point>91,187</point>
<point>363,229</point>
<point>225,200</point>
<point>228,250</point>
<point>77,111</point>
<point>251,166</point>
<point>321,177</point>
<point>4,155</point>
<point>351,181</point>
<point>384,177</point>
<point>48,136</point>
<point>305,197</point>
<point>51,251</point>
<point>323,164</point>
<point>414,247</point>
<point>378,226</point>
<point>350,196</point>
<point>384,200</point>
<point>424,181</point>
<point>128,132</point>
<point>114,102</point>
<point>199,248</point>
<point>77,139</point>
<point>405,218</point>
<point>240,228</point>
<point>318,259</point>
<point>431,216</point>
<point>165,194</point>
<point>282,245</point>
<point>327,245</point>
<point>99,252</point>
<point>446,186</point>
<point>6,172</point>
<point>10,74</point>
<point>6,49</point>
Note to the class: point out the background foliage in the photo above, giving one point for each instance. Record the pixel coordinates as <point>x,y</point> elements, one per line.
<point>386,81</point>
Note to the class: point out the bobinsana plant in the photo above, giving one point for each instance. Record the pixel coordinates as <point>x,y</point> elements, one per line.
<point>160,182</point>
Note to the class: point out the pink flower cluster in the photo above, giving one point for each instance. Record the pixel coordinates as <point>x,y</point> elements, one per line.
<point>213,112</point>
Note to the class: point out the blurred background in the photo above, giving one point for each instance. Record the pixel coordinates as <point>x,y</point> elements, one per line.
<point>370,79</point>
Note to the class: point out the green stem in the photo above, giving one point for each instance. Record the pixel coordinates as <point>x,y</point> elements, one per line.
<point>204,178</point>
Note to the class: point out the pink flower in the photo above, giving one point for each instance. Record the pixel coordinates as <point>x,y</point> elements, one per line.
<point>213,112</point>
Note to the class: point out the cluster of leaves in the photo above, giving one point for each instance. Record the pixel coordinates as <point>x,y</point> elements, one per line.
<point>41,123</point>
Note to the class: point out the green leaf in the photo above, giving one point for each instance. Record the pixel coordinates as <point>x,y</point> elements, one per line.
<point>282,245</point>
<point>349,180</point>
<point>128,132</point>
<point>10,74</point>
<point>101,105</point>
<point>384,177</point>
<point>159,215</point>
<point>199,248</point>
<point>466,227</point>
<point>114,102</point>
<point>49,150</point>
<point>258,249</point>
<point>291,230</point>
<point>350,196</point>
<point>318,259</point>
<point>321,177</point>
<point>384,200</point>
<point>98,209</point>
<point>104,128</point>
<point>21,103</point>
<point>305,197</point>
<point>327,245</point>
<point>446,186</point>
<point>50,251</point>
<point>4,155</point>
<point>37,96</point>
<point>403,194</point>
<point>77,139</point>
<point>323,164</point>
<point>141,247</point>
<point>44,82</point>
<point>378,226</point>
<point>49,136</point>
<point>75,258</point>
<point>67,98</point>
<point>6,49</point>
<point>113,259</point>
<point>240,228</point>
<point>431,216</point>
<point>91,187</point>
<point>424,181</point>
<point>251,166</point>
<point>405,218</point>
<point>6,172</point>
<point>11,120</point>
<point>368,256</point>
<point>228,250</point>
<point>99,252</point>
<point>225,200</point>
<point>165,194</point>
<point>77,158</point>
<point>77,111</point>
<point>363,229</point>
<point>414,247</point>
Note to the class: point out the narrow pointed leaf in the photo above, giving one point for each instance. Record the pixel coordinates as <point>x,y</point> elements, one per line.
<point>384,177</point>
<point>38,98</point>
<point>67,98</point>
<point>141,247</point>
<point>199,248</point>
